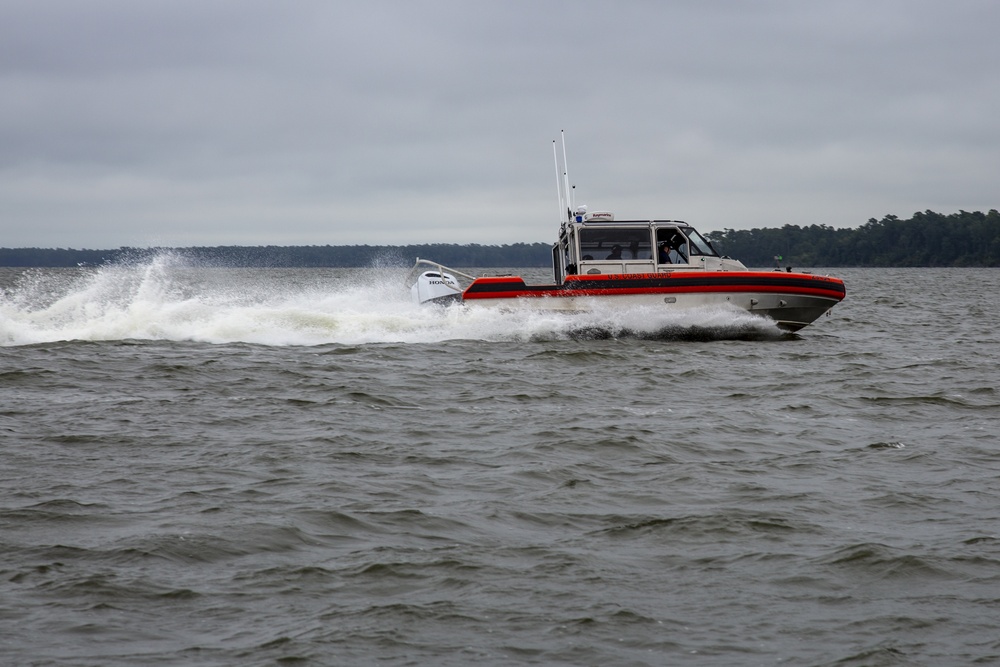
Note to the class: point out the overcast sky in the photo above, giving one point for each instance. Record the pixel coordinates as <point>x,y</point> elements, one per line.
<point>244,122</point>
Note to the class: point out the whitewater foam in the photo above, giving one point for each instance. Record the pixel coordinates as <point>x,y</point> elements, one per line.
<point>165,298</point>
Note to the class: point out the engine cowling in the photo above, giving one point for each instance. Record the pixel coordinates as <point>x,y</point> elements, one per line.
<point>436,286</point>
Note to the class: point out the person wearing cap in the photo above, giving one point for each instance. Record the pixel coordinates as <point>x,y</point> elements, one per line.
<point>664,254</point>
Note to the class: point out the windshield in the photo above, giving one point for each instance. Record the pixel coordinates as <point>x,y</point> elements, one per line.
<point>699,246</point>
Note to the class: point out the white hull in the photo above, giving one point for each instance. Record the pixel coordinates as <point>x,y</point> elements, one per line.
<point>789,311</point>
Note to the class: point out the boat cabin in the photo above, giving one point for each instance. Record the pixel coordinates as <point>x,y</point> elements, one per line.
<point>595,243</point>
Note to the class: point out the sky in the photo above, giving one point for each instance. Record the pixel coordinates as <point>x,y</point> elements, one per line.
<point>389,122</point>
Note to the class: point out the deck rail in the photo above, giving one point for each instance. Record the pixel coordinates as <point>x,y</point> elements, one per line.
<point>423,264</point>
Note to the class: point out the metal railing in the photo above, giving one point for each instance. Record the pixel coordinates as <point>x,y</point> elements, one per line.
<point>423,264</point>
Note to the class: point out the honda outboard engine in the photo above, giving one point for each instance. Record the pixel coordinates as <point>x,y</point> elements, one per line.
<point>435,286</point>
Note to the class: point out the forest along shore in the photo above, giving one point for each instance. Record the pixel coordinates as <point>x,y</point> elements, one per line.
<point>925,239</point>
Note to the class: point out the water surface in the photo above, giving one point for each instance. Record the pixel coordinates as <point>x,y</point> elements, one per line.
<point>259,467</point>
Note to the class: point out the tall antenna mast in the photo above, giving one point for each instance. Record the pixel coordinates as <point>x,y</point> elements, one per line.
<point>569,191</point>
<point>559,192</point>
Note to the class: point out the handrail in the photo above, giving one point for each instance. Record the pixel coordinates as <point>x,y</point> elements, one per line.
<point>441,269</point>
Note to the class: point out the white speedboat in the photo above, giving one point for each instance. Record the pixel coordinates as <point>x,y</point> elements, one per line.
<point>599,261</point>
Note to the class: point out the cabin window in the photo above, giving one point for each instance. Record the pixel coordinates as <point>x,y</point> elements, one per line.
<point>682,244</point>
<point>615,244</point>
<point>563,257</point>
<point>672,245</point>
<point>699,246</point>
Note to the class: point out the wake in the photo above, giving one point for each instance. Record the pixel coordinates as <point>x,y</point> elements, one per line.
<point>168,298</point>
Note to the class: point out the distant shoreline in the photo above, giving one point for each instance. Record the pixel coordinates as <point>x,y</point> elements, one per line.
<point>926,239</point>
<point>346,256</point>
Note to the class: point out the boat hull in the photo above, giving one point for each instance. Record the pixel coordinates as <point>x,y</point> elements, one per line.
<point>792,300</point>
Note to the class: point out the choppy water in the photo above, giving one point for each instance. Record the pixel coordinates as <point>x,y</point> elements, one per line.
<point>253,467</point>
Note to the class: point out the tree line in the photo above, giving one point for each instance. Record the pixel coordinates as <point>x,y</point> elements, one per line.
<point>925,239</point>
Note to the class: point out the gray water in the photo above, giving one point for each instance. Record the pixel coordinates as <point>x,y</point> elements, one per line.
<point>280,467</point>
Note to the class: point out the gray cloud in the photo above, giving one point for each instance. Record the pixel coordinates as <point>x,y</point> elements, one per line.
<point>193,123</point>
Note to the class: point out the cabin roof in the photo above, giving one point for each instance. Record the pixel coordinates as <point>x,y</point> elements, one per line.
<point>626,223</point>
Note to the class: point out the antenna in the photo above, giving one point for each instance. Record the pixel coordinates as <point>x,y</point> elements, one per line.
<point>559,192</point>
<point>569,192</point>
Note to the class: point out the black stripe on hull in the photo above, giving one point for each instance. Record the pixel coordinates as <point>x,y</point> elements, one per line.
<point>626,283</point>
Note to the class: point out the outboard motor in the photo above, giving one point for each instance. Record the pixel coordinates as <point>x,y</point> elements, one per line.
<point>436,286</point>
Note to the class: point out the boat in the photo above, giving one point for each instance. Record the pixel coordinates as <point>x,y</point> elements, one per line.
<point>601,262</point>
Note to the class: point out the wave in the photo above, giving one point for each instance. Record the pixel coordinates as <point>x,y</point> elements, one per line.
<point>168,298</point>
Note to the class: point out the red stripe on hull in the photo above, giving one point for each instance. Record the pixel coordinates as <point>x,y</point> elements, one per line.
<point>769,282</point>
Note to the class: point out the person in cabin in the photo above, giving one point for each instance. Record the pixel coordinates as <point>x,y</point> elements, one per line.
<point>669,254</point>
<point>664,254</point>
<point>616,252</point>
